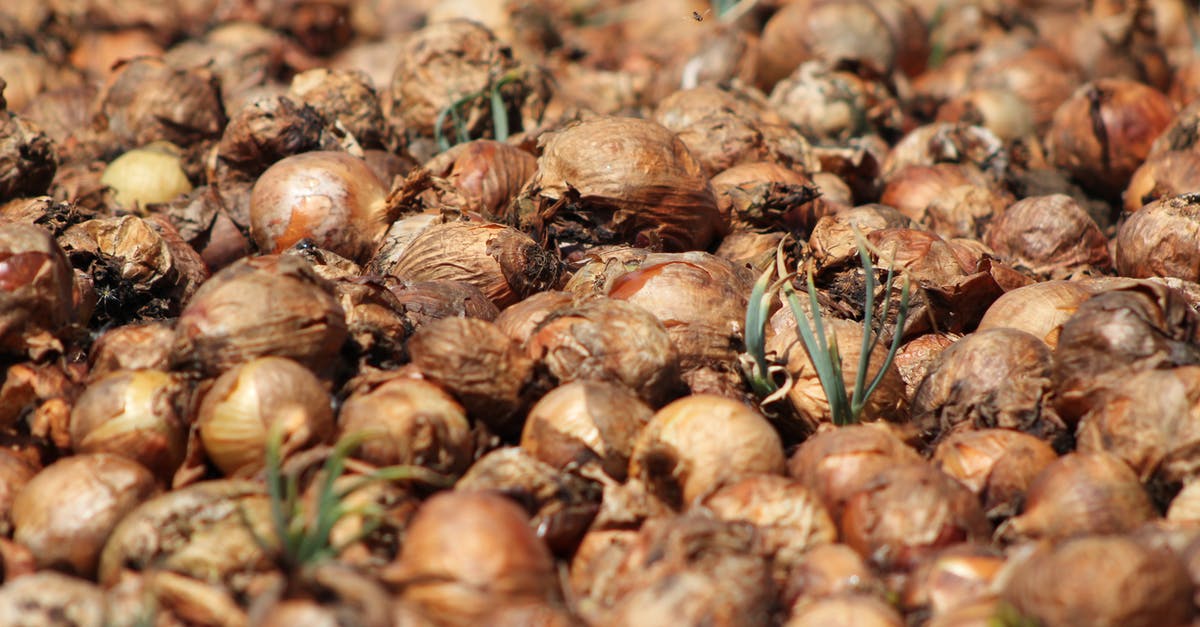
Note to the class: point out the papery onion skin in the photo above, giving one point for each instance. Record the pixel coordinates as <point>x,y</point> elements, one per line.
<point>65,513</point>
<point>996,464</point>
<point>1161,239</point>
<point>1051,235</point>
<point>238,412</point>
<point>330,197</point>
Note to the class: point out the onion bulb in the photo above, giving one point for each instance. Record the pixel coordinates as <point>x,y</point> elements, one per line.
<point>150,174</point>
<point>330,197</point>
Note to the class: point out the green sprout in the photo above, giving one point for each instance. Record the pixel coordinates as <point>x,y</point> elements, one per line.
<point>846,406</point>
<point>304,537</point>
<point>453,112</point>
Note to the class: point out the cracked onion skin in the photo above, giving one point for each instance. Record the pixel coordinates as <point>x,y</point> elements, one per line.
<point>330,197</point>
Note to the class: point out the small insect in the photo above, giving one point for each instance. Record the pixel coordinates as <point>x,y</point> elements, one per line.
<point>699,17</point>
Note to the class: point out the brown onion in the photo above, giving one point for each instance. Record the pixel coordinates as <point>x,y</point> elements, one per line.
<point>35,302</point>
<point>851,609</point>
<point>484,369</point>
<point>65,513</point>
<point>990,378</point>
<point>906,512</point>
<point>1162,175</point>
<point>996,464</point>
<point>466,551</point>
<point>831,31</point>
<point>50,598</point>
<point>347,98</point>
<point>1053,236</point>
<point>828,570</point>
<point>838,463</point>
<point>15,472</point>
<point>1104,131</point>
<point>408,421</point>
<point>830,104</point>
<point>239,411</point>
<point>330,197</point>
<point>485,175</point>
<point>696,444</point>
<point>916,357</point>
<point>953,200</point>
<point>518,321</point>
<point>956,576</point>
<point>1160,239</point>
<point>145,346</point>
<point>609,340</point>
<point>627,180</point>
<point>1112,581</point>
<point>1081,493</point>
<point>137,414</point>
<point>790,519</point>
<point>585,422</point>
<point>1040,308</point>
<point>1147,421</point>
<point>271,305</point>
<point>506,264</point>
<point>942,142</point>
<point>422,302</point>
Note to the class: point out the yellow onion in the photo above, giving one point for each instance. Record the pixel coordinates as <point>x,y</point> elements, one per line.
<point>838,463</point>
<point>790,519</point>
<point>851,609</point>
<point>330,197</point>
<point>408,421</point>
<point>65,513</point>
<point>996,464</point>
<point>138,414</point>
<point>51,598</point>
<point>586,422</point>
<point>1081,493</point>
<point>1053,236</point>
<point>271,305</point>
<point>998,110</point>
<point>1160,239</point>
<point>1162,175</point>
<point>150,174</point>
<point>464,552</point>
<point>698,443</point>
<point>990,378</point>
<point>518,321</point>
<point>1041,308</point>
<point>626,180</point>
<point>907,512</point>
<point>504,263</point>
<point>244,404</point>
<point>1101,580</point>
<point>1103,132</point>
<point>36,300</point>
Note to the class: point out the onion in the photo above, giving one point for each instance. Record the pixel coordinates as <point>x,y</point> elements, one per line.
<point>990,378</point>
<point>65,513</point>
<point>408,421</point>
<point>271,305</point>
<point>136,414</point>
<point>347,98</point>
<point>480,366</point>
<point>1040,308</point>
<point>763,195</point>
<point>829,570</point>
<point>561,505</point>
<point>1160,240</point>
<point>486,175</point>
<point>954,577</point>
<point>996,464</point>
<point>151,174</point>
<point>518,321</point>
<point>1081,493</point>
<point>1162,175</point>
<point>329,197</point>
<point>423,302</point>
<point>833,105</point>
<point>506,264</point>
<point>98,52</point>
<point>15,472</point>
<point>585,422</point>
<point>907,512</point>
<point>50,598</point>
<point>609,340</point>
<point>916,357</point>
<point>1053,236</point>
<point>850,609</point>
<point>464,552</point>
<point>831,31</point>
<point>998,110</point>
<point>1104,131</point>
<point>789,518</point>
<point>1037,74</point>
<point>953,200</point>
<point>696,444</point>
<point>838,463</point>
<point>943,142</point>
<point>1146,420</point>
<point>1112,581</point>
<point>244,404</point>
<point>36,301</point>
<point>626,180</point>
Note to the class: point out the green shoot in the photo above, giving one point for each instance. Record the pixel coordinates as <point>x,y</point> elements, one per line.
<point>305,537</point>
<point>846,406</point>
<point>454,114</point>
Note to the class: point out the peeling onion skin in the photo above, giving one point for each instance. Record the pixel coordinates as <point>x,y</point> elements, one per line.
<point>332,198</point>
<point>270,305</point>
<point>1101,580</point>
<point>992,378</point>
